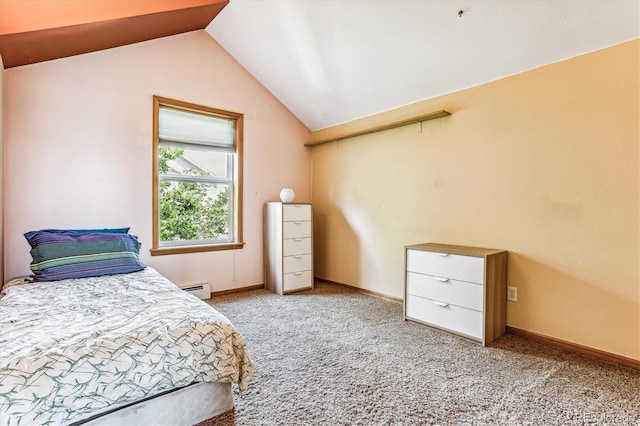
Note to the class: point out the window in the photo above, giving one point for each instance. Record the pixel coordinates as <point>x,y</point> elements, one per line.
<point>197,178</point>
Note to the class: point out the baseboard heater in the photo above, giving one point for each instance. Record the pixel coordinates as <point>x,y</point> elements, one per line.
<point>201,291</point>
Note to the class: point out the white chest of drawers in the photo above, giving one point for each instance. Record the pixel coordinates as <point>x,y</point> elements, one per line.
<point>459,289</point>
<point>288,247</point>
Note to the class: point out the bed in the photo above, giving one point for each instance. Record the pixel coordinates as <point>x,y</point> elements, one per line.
<point>124,348</point>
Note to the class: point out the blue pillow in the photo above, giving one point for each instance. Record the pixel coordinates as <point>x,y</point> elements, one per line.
<point>63,254</point>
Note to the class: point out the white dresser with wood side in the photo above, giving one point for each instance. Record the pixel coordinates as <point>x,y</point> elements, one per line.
<point>288,247</point>
<point>459,289</point>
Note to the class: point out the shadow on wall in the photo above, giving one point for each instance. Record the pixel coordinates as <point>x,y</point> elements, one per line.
<point>347,248</point>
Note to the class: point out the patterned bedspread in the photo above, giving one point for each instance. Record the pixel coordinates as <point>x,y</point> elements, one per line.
<point>76,346</point>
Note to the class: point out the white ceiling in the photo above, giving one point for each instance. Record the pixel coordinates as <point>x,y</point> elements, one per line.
<point>331,62</point>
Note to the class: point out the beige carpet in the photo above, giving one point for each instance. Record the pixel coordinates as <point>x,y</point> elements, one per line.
<point>332,356</point>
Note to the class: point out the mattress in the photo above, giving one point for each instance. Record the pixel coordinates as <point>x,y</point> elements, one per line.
<point>184,406</point>
<point>74,347</point>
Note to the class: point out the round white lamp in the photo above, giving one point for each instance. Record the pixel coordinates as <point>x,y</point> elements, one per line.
<point>287,195</point>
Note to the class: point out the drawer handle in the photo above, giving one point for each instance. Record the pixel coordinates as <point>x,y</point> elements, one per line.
<point>297,239</point>
<point>443,254</point>
<point>444,305</point>
<point>442,280</point>
<point>297,273</point>
<point>297,256</point>
<point>297,222</point>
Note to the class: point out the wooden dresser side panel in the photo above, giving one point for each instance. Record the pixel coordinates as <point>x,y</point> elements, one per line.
<point>495,296</point>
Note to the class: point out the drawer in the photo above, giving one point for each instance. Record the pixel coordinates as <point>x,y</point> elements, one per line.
<point>299,262</point>
<point>292,246</point>
<point>449,317</point>
<point>293,212</point>
<point>459,293</point>
<point>454,266</point>
<point>297,280</point>
<point>297,229</point>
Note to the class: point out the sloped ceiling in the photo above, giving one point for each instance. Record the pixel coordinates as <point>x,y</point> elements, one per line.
<point>331,62</point>
<point>40,30</point>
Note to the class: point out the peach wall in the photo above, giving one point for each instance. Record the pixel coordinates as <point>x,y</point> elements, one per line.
<point>544,164</point>
<point>1,167</point>
<point>79,138</point>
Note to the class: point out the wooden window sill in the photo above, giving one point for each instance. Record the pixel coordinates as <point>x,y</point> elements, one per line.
<point>161,251</point>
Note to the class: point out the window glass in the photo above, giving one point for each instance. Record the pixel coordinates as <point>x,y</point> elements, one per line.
<point>192,161</point>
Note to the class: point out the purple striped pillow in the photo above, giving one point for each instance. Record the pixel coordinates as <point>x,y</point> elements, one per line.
<point>62,254</point>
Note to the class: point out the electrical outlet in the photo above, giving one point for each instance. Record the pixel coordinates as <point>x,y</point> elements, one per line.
<point>512,293</point>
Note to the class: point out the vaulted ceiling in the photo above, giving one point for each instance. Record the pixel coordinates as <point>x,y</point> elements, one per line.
<point>335,61</point>
<point>40,30</point>
<point>331,62</point>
